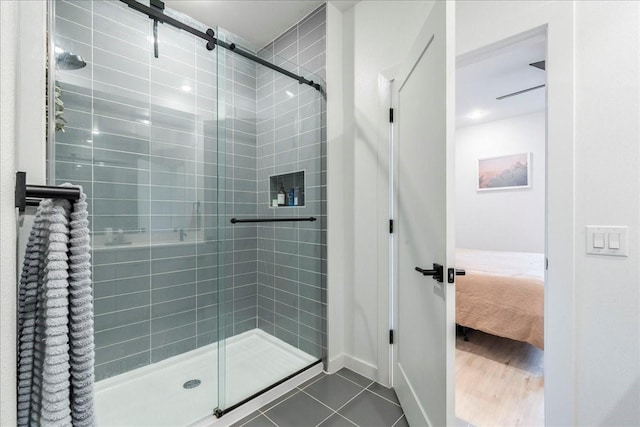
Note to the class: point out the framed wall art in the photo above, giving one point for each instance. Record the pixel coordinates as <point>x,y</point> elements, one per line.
<point>508,172</point>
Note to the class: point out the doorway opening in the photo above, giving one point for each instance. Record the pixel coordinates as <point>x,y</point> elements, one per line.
<point>500,188</point>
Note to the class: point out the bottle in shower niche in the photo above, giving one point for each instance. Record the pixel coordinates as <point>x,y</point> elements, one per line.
<point>291,196</point>
<point>282,196</point>
<point>296,197</point>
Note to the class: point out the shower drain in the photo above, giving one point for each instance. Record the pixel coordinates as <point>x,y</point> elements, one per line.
<point>191,384</point>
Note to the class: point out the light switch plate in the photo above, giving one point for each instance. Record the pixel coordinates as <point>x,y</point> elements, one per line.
<point>609,233</point>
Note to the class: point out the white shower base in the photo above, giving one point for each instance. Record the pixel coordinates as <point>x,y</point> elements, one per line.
<point>154,395</point>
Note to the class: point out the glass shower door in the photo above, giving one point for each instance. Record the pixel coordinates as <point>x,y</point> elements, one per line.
<point>140,134</point>
<point>272,275</point>
<point>183,205</point>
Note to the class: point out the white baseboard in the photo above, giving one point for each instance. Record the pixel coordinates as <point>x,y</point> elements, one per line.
<point>361,367</point>
<point>357,365</point>
<point>335,364</point>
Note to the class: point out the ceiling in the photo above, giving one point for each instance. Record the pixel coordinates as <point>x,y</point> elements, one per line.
<point>257,21</point>
<point>480,79</point>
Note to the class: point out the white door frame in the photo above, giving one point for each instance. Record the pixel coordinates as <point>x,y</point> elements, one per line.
<point>557,19</point>
<point>559,355</point>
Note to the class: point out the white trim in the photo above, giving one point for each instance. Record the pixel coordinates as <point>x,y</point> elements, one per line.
<point>557,19</point>
<point>339,200</point>
<point>361,367</point>
<point>384,202</point>
<point>335,364</point>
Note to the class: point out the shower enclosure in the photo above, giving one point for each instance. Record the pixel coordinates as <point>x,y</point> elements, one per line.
<point>205,176</point>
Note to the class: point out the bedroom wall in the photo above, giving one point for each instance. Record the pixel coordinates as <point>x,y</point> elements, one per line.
<point>501,220</point>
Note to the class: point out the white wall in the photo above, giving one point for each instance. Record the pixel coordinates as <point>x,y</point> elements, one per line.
<point>501,220</point>
<point>8,69</point>
<point>384,32</point>
<point>607,192</point>
<point>22,147</point>
<point>339,202</point>
<point>592,365</point>
<point>376,35</point>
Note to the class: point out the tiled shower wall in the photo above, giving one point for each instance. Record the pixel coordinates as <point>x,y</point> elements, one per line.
<point>239,277</point>
<point>291,137</point>
<point>141,137</point>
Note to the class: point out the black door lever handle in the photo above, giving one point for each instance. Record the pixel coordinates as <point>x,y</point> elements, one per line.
<point>426,272</point>
<point>436,272</point>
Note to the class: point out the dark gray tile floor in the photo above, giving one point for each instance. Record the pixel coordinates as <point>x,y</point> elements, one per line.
<point>343,399</point>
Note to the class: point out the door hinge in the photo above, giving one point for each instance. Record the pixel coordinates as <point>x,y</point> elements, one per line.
<point>390,226</point>
<point>390,336</point>
<point>390,115</point>
<point>546,263</point>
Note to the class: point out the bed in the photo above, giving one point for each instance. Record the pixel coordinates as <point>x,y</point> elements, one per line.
<point>502,294</point>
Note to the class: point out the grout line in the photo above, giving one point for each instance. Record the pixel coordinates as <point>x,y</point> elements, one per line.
<point>320,401</point>
<point>123,357</point>
<point>398,420</point>
<point>341,416</point>
<point>325,419</point>
<point>148,350</point>
<point>59,16</point>
<point>172,343</point>
<point>277,404</point>
<point>123,326</point>
<point>267,417</point>
<point>364,387</point>
<point>127,294</point>
<point>121,342</point>
<point>335,411</point>
<point>381,396</point>
<point>248,421</point>
<point>308,384</point>
<point>349,401</point>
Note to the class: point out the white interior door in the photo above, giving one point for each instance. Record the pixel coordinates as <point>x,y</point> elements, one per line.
<point>425,310</point>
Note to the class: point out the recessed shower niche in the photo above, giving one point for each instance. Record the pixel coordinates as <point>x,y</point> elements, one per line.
<point>286,190</point>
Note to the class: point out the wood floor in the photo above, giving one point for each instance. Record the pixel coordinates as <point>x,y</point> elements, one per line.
<point>499,382</point>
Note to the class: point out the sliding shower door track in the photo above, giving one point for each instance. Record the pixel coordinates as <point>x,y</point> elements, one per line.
<point>158,16</point>
<point>220,412</point>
